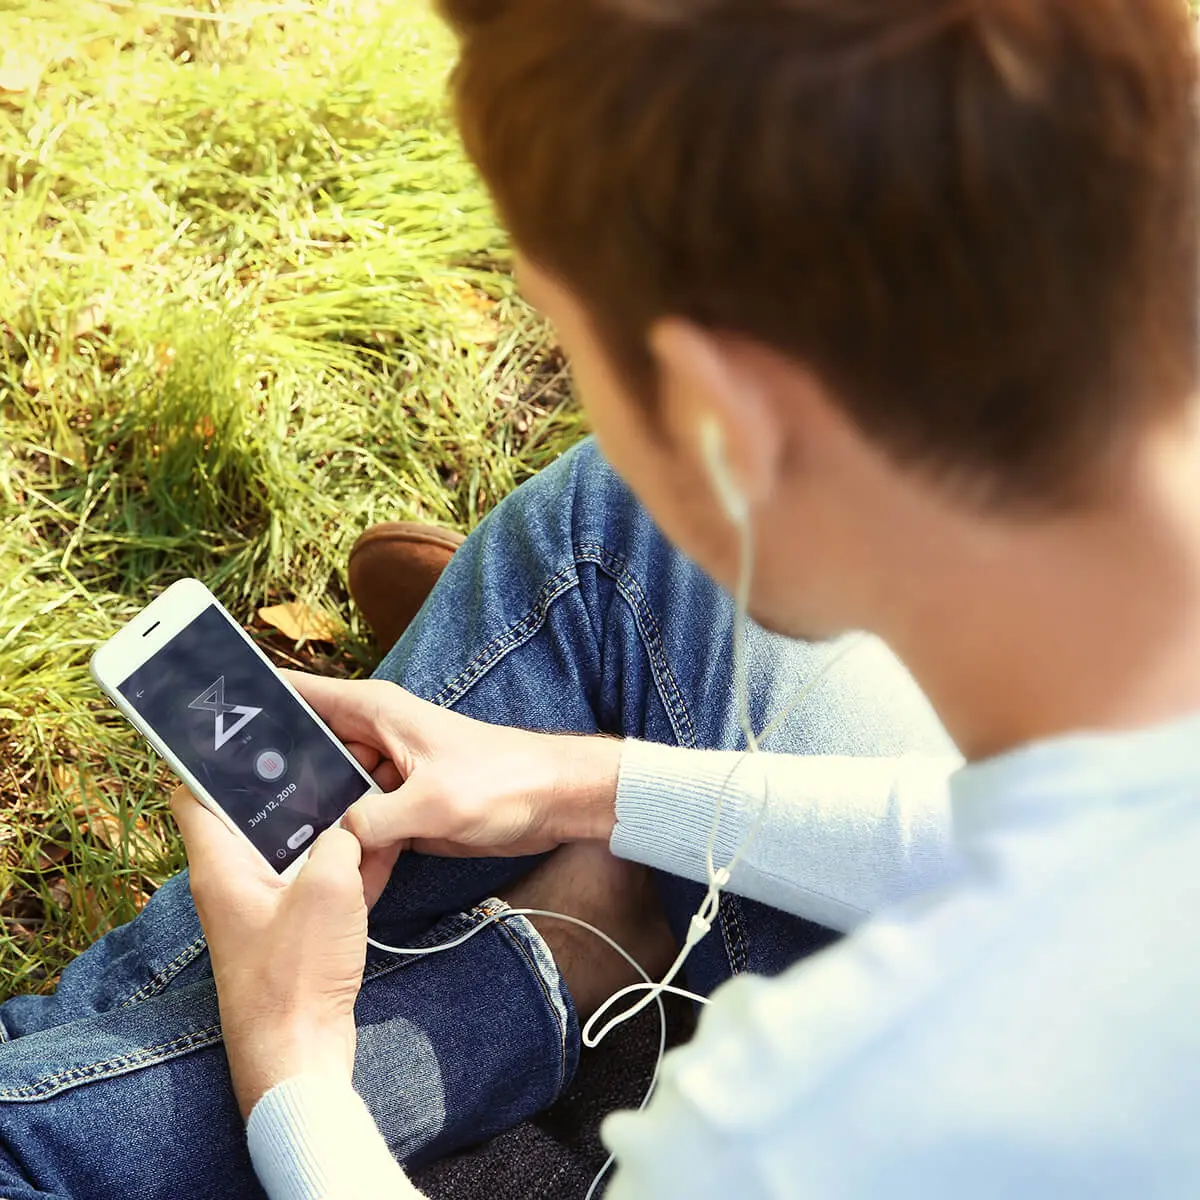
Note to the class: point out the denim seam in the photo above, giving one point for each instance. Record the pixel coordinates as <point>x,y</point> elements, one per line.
<point>158,982</point>
<point>516,634</point>
<point>566,580</point>
<point>734,933</point>
<point>51,1085</point>
<point>651,634</point>
<point>545,987</point>
<point>459,922</point>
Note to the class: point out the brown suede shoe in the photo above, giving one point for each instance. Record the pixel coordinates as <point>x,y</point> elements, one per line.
<point>393,567</point>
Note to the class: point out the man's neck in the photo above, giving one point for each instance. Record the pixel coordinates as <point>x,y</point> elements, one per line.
<point>1090,622</point>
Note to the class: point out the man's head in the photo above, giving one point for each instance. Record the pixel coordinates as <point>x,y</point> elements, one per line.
<point>950,244</point>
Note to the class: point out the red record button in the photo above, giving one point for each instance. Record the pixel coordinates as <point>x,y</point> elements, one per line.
<point>269,765</point>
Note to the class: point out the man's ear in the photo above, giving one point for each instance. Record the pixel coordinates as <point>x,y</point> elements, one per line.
<point>707,379</point>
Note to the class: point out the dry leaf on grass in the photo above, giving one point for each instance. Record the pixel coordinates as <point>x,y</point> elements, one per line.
<point>107,828</point>
<point>300,622</point>
<point>99,824</point>
<point>60,893</point>
<point>51,858</point>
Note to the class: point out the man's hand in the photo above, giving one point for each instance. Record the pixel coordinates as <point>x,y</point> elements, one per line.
<point>462,788</point>
<point>287,957</point>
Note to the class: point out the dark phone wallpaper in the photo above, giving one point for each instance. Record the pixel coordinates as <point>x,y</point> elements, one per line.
<point>244,737</point>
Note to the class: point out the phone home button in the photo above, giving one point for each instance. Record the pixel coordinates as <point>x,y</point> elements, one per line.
<point>300,837</point>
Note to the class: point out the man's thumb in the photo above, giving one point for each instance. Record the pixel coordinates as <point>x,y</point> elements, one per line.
<point>332,864</point>
<point>386,819</point>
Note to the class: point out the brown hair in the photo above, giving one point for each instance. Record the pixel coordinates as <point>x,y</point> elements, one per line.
<point>975,220</point>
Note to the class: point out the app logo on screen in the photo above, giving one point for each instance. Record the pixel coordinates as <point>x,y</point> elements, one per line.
<point>212,700</point>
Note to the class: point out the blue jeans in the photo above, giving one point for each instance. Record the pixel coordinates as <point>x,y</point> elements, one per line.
<point>568,611</point>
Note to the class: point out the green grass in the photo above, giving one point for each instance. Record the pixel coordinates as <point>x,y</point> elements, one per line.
<point>253,300</point>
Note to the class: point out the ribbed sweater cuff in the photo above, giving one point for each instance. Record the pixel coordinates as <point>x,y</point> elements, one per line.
<point>312,1138</point>
<point>666,801</point>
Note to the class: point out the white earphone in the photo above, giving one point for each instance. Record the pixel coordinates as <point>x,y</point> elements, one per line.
<point>733,500</point>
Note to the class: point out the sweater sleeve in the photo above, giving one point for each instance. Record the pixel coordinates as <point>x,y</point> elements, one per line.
<point>312,1138</point>
<point>837,840</point>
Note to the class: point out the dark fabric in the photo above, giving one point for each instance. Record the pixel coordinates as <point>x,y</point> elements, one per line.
<point>555,1156</point>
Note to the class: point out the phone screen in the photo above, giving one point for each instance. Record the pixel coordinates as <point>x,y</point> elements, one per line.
<point>231,721</point>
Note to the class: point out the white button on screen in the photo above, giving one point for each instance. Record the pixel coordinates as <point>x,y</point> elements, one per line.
<point>270,764</point>
<point>300,837</point>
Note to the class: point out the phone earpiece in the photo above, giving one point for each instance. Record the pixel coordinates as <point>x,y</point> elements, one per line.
<point>733,500</point>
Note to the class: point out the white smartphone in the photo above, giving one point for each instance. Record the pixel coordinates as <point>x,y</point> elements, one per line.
<point>188,677</point>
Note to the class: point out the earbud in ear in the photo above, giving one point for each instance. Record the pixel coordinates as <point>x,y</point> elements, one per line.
<point>733,501</point>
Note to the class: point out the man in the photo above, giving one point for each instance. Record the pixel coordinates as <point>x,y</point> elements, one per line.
<point>902,297</point>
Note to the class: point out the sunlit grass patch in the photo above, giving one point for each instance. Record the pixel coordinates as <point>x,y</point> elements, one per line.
<point>253,299</point>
